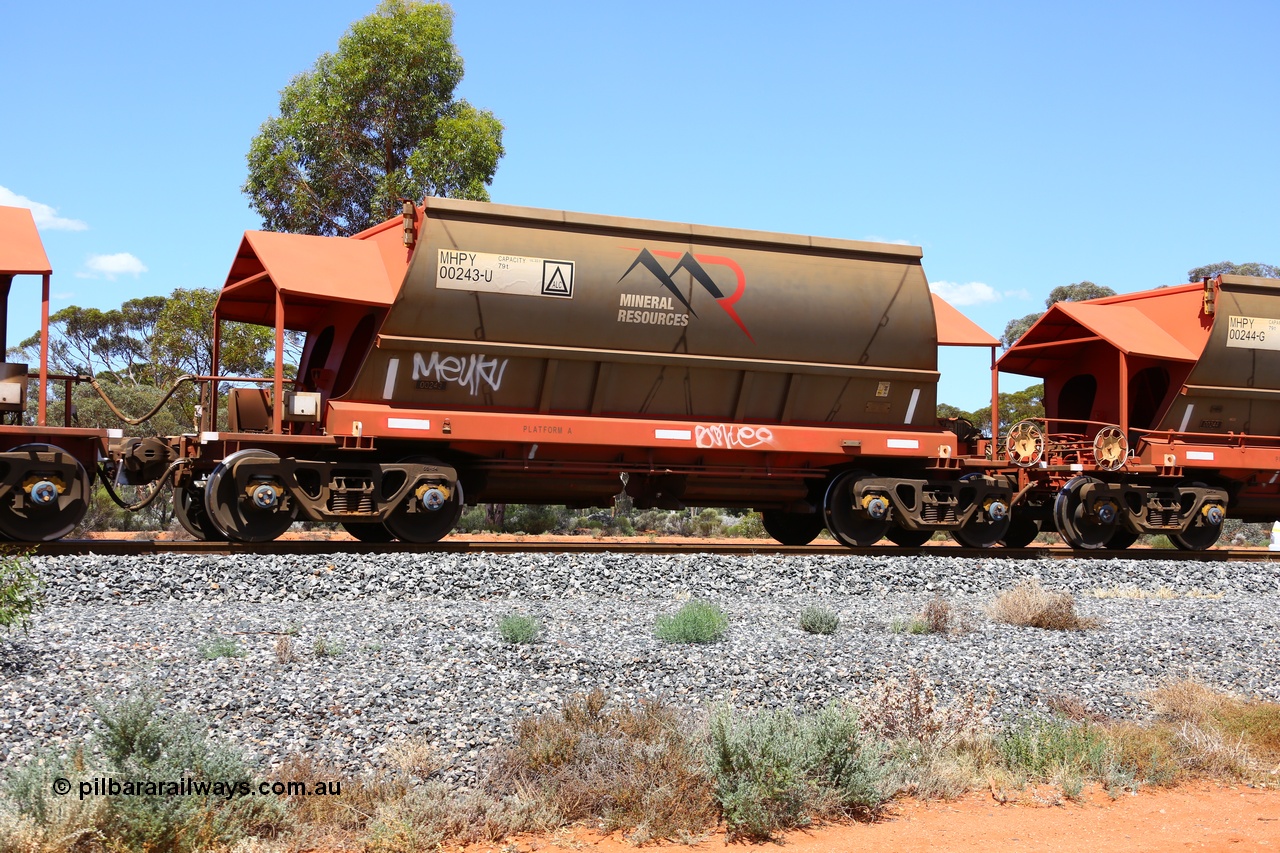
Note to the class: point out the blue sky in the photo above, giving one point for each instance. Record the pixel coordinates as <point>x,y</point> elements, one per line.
<point>1023,145</point>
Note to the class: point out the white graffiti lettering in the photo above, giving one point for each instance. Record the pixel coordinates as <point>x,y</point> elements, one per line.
<point>729,436</point>
<point>473,372</point>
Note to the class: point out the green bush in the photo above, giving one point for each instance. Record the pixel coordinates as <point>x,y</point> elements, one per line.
<point>1045,748</point>
<point>708,524</point>
<point>819,620</point>
<point>135,742</point>
<point>221,647</point>
<point>533,519</point>
<point>751,526</point>
<point>19,591</point>
<point>776,770</point>
<point>519,629</point>
<point>696,622</point>
<point>471,520</point>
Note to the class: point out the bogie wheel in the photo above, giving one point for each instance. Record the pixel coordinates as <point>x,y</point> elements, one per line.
<point>239,515</point>
<point>426,515</point>
<point>190,510</point>
<point>1021,533</point>
<point>371,532</point>
<point>904,538</point>
<point>51,499</point>
<point>792,528</point>
<point>1121,539</point>
<point>851,525</point>
<point>1078,526</point>
<point>987,526</point>
<point>1200,536</point>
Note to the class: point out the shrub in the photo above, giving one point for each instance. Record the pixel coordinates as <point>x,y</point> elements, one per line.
<point>696,622</point>
<point>819,620</point>
<point>19,591</point>
<point>751,526</point>
<point>221,647</point>
<point>1056,749</point>
<point>775,770</point>
<point>533,519</point>
<point>135,742</point>
<point>639,769</point>
<point>323,647</point>
<point>1032,606</point>
<point>519,629</point>
<point>708,524</point>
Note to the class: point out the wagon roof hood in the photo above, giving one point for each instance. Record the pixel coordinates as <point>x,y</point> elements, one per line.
<point>21,252</point>
<point>306,270</point>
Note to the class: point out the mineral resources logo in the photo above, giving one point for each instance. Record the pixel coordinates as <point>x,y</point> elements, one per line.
<point>660,310</point>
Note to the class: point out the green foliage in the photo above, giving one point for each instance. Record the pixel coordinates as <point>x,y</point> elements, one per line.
<point>708,524</point>
<point>1045,748</point>
<point>375,122</point>
<point>323,647</point>
<point>221,647</point>
<point>19,591</point>
<point>1214,270</point>
<point>819,620</point>
<point>1014,406</point>
<point>775,770</point>
<point>750,526</point>
<point>695,622</point>
<point>1077,292</point>
<point>534,519</point>
<point>134,741</point>
<point>516,628</point>
<point>1015,329</point>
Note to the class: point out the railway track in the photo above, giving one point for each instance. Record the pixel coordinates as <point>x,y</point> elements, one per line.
<point>77,547</point>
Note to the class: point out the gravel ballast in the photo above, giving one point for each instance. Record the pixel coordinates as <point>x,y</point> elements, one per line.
<point>391,646</point>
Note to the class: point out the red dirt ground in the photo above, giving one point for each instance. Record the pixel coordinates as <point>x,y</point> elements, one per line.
<point>1201,816</point>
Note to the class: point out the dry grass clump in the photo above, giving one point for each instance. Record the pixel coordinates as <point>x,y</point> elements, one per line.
<point>636,769</point>
<point>1031,605</point>
<point>1219,735</point>
<point>938,617</point>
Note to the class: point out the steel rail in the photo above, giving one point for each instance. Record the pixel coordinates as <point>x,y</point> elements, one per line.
<point>79,547</point>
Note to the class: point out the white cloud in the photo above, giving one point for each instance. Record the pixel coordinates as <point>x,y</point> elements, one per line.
<point>45,216</point>
<point>110,266</point>
<point>972,293</point>
<point>884,240</point>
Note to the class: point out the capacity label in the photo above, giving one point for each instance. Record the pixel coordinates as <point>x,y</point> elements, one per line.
<point>489,273</point>
<point>1253,332</point>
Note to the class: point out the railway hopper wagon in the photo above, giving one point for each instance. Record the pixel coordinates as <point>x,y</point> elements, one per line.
<point>491,353</point>
<point>46,469</point>
<point>1163,414</point>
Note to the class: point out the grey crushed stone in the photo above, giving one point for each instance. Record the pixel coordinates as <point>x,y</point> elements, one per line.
<point>419,654</point>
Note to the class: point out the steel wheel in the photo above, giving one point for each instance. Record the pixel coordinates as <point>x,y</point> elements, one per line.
<point>1021,533</point>
<point>1079,527</point>
<point>50,499</point>
<point>850,525</point>
<point>372,532</point>
<point>982,530</point>
<point>1201,535</point>
<point>1024,445</point>
<point>414,521</point>
<point>190,510</point>
<point>235,513</point>
<point>1121,539</point>
<point>792,528</point>
<point>904,538</point>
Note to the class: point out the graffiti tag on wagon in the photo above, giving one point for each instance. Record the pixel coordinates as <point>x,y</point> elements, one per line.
<point>731,436</point>
<point>475,372</point>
